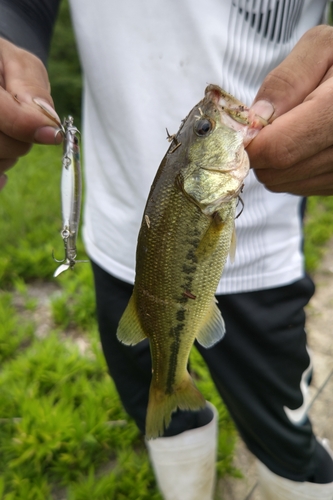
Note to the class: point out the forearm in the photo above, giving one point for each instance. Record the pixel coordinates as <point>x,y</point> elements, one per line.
<point>29,24</point>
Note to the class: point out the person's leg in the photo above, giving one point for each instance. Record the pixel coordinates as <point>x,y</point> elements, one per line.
<point>246,367</point>
<point>258,368</point>
<point>130,367</point>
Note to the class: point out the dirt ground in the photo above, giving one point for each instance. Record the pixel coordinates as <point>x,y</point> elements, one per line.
<point>320,340</point>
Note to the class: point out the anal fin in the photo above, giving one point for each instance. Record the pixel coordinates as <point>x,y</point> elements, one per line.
<point>129,330</point>
<point>213,328</point>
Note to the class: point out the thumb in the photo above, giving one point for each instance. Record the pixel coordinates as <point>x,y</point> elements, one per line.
<point>295,98</point>
<point>27,111</point>
<point>297,76</point>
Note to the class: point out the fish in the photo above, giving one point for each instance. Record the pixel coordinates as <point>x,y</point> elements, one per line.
<point>186,235</point>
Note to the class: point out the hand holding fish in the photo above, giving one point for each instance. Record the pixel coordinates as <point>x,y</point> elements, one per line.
<point>27,114</point>
<point>294,154</point>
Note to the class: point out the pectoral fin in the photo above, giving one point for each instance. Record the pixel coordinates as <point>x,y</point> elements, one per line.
<point>213,328</point>
<point>130,331</point>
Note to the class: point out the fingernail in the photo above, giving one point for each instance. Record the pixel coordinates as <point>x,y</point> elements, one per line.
<point>263,109</point>
<point>48,135</point>
<point>47,109</point>
<point>3,181</point>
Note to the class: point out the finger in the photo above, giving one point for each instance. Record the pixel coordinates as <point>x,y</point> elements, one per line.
<point>321,185</point>
<point>6,164</point>
<point>22,120</point>
<point>3,181</point>
<point>300,90</point>
<point>301,72</point>
<point>25,101</point>
<point>321,163</point>
<point>12,148</point>
<point>328,74</point>
<point>298,134</point>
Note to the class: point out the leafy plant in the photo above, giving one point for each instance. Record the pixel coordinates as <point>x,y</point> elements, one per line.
<point>13,335</point>
<point>76,304</point>
<point>64,67</point>
<point>30,217</point>
<point>318,229</point>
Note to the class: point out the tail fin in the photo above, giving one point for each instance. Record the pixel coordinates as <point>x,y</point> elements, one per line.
<point>161,405</point>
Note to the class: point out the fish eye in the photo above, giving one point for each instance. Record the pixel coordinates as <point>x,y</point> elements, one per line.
<point>203,126</point>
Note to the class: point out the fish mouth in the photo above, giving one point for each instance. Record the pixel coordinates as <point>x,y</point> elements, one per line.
<point>228,103</point>
<point>235,114</point>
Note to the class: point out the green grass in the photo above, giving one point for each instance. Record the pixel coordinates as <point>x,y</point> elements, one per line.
<point>61,419</point>
<point>13,335</point>
<point>318,229</point>
<point>30,217</point>
<point>76,304</point>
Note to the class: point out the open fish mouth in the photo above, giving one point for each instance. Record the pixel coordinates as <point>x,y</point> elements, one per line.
<point>235,114</point>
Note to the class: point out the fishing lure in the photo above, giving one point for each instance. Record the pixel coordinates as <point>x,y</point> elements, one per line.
<point>71,193</point>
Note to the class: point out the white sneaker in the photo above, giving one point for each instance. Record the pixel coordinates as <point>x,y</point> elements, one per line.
<point>275,487</point>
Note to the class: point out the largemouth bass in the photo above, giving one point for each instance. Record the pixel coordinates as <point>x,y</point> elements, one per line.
<point>187,232</point>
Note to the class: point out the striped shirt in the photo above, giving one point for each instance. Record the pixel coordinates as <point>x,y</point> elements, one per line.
<point>146,64</point>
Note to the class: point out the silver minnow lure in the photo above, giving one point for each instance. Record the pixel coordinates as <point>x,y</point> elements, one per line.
<point>71,192</point>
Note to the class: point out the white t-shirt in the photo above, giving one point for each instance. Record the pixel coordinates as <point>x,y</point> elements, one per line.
<point>146,64</point>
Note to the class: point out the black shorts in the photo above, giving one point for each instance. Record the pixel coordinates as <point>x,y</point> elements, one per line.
<point>257,368</point>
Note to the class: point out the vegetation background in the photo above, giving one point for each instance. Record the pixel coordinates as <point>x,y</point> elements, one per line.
<point>63,432</point>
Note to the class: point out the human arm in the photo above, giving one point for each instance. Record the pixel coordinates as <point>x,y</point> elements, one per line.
<point>24,85</point>
<point>294,154</point>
